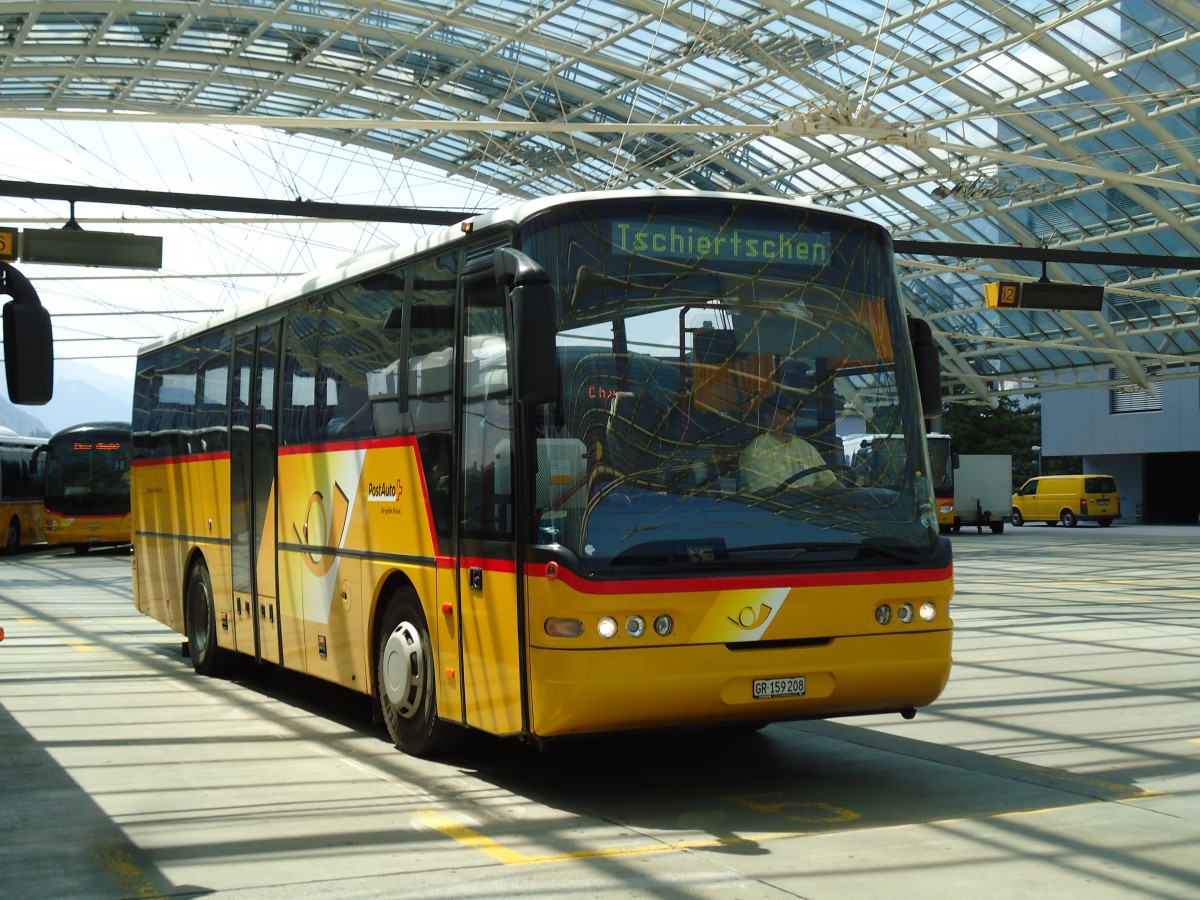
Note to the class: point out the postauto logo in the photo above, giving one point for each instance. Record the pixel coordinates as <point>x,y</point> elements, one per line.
<point>384,491</point>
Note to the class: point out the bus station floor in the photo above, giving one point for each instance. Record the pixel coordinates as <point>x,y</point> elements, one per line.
<point>1062,761</point>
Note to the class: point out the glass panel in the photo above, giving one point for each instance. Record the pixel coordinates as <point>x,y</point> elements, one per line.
<point>486,497</point>
<point>714,359</point>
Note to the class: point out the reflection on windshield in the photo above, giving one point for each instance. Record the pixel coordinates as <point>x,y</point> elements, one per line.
<point>705,400</point>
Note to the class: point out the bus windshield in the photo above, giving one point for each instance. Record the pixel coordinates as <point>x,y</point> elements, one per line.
<point>713,354</point>
<point>88,473</point>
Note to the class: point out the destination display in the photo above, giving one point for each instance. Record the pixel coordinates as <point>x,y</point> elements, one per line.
<point>680,242</point>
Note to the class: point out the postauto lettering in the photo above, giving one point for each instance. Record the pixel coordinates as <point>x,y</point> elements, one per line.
<point>687,242</point>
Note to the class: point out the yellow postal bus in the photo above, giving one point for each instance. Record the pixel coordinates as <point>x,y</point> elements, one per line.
<point>498,479</point>
<point>86,486</point>
<point>20,491</point>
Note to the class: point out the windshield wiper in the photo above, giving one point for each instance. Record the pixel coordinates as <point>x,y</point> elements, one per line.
<point>842,550</point>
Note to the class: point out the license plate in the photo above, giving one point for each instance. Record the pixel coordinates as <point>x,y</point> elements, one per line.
<point>766,688</point>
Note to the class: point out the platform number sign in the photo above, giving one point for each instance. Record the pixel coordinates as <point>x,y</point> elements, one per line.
<point>8,244</point>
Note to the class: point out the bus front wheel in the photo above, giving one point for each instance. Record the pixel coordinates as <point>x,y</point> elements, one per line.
<point>405,677</point>
<point>202,623</point>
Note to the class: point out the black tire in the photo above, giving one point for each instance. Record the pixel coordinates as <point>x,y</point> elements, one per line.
<point>1104,523</point>
<point>1068,518</point>
<point>1017,519</point>
<point>80,549</point>
<point>200,609</point>
<point>406,680</point>
<point>997,528</point>
<point>12,542</point>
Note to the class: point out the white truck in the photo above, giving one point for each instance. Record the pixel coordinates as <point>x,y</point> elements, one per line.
<point>983,491</point>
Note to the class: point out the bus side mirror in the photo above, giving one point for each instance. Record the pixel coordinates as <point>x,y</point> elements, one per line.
<point>928,365</point>
<point>28,341</point>
<point>534,315</point>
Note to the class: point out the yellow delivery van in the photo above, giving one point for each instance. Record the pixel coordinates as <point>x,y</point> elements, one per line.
<point>1069,499</point>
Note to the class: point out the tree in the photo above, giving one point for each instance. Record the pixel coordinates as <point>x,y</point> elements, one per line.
<point>1013,427</point>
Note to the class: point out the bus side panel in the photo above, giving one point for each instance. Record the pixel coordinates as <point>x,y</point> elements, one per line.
<point>319,584</point>
<point>491,672</point>
<point>726,637</point>
<point>159,588</point>
<point>181,507</point>
<point>350,517</point>
<point>29,516</point>
<point>444,633</point>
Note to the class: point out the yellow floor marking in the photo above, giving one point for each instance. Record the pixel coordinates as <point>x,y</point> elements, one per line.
<point>116,859</point>
<point>810,811</point>
<point>468,837</point>
<point>82,646</point>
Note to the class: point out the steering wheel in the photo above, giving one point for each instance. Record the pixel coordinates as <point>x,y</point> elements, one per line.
<point>812,470</point>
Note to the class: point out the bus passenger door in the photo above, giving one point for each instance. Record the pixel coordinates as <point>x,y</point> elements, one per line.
<point>252,489</point>
<point>488,600</point>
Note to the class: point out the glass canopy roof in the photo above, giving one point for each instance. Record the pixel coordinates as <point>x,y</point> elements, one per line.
<point>1033,123</point>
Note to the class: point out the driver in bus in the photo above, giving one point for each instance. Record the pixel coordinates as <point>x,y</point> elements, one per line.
<point>779,459</point>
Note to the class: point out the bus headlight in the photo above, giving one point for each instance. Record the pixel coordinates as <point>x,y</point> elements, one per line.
<point>607,627</point>
<point>883,614</point>
<point>663,625</point>
<point>635,626</point>
<point>905,613</point>
<point>928,612</point>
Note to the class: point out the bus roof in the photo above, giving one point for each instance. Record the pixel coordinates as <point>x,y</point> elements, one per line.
<point>86,427</point>
<point>9,438</point>
<point>382,258</point>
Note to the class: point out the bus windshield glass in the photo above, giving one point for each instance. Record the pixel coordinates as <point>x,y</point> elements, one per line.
<point>88,473</point>
<point>713,354</point>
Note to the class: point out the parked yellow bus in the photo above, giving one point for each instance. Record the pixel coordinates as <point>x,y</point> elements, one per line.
<point>86,486</point>
<point>20,491</point>
<point>500,479</point>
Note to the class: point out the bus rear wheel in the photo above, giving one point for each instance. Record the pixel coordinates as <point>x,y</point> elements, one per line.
<point>207,657</point>
<point>12,541</point>
<point>405,679</point>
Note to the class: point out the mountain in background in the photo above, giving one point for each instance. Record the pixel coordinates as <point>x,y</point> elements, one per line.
<point>82,393</point>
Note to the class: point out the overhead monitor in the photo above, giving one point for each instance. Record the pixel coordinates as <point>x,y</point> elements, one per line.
<point>75,247</point>
<point>1043,295</point>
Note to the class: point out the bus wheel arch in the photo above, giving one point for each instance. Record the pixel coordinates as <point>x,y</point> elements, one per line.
<point>200,618</point>
<point>404,673</point>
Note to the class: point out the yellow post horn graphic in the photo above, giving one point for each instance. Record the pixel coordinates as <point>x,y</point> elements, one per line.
<point>320,562</point>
